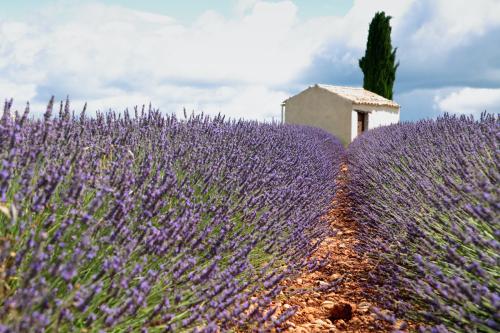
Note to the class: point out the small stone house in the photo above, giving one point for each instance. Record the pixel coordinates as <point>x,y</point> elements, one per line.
<point>345,112</point>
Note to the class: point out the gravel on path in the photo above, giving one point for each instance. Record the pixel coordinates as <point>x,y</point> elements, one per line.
<point>334,297</point>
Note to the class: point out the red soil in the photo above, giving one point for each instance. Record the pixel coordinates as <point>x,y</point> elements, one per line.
<point>343,307</point>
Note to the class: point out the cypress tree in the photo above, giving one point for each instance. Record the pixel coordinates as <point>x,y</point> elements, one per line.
<point>378,64</point>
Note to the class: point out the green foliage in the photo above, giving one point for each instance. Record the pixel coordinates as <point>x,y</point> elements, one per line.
<point>378,64</point>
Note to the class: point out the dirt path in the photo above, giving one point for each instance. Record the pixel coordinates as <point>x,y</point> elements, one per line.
<point>331,299</point>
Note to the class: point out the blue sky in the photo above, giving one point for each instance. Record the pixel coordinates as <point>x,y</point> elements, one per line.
<point>185,11</point>
<point>243,57</point>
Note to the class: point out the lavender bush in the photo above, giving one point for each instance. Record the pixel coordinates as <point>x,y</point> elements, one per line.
<point>148,223</point>
<point>426,197</point>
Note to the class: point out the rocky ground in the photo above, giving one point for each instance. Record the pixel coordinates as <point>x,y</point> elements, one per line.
<point>332,298</point>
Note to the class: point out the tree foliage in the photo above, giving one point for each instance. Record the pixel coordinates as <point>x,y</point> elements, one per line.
<point>378,64</point>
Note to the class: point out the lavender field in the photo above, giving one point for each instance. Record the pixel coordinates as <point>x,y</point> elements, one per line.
<point>137,221</point>
<point>145,222</point>
<point>427,198</point>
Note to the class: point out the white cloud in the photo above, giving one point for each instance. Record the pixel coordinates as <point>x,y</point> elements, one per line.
<point>243,6</point>
<point>359,16</point>
<point>448,24</point>
<point>19,92</point>
<point>244,65</point>
<point>248,101</point>
<point>469,101</point>
<point>110,54</point>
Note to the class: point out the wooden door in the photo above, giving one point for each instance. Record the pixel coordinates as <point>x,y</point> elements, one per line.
<point>361,123</point>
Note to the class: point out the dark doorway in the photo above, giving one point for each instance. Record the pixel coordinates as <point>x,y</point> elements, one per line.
<point>361,122</point>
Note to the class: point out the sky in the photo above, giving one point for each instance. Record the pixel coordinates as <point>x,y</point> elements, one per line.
<point>242,58</point>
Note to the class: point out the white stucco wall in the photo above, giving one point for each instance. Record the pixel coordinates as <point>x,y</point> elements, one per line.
<point>320,108</point>
<point>383,118</point>
<point>354,124</point>
<point>377,116</point>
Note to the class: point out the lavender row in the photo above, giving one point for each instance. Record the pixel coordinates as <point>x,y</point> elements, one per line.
<point>141,221</point>
<point>427,201</point>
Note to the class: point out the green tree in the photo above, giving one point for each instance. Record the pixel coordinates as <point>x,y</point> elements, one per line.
<point>378,64</point>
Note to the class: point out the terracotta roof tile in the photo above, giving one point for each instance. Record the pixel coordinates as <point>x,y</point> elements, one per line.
<point>359,95</point>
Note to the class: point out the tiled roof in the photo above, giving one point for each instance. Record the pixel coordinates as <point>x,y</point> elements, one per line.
<point>359,95</point>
